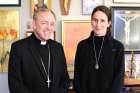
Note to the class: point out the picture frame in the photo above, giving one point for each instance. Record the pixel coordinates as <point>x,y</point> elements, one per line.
<point>126,1</point>
<point>89,5</point>
<point>132,70</point>
<point>126,26</point>
<point>73,31</point>
<point>48,3</point>
<point>9,32</point>
<point>10,3</point>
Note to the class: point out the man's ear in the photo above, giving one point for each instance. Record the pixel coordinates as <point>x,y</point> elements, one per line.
<point>34,24</point>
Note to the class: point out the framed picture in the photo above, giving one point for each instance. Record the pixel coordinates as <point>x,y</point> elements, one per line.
<point>89,5</point>
<point>127,1</point>
<point>10,3</point>
<point>35,3</point>
<point>132,69</point>
<point>73,31</point>
<point>126,27</point>
<point>9,32</point>
<point>28,33</point>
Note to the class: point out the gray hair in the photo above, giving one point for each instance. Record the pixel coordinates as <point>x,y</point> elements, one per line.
<point>42,9</point>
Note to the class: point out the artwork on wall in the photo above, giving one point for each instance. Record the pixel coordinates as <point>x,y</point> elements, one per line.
<point>127,1</point>
<point>40,3</point>
<point>9,32</point>
<point>10,2</point>
<point>89,5</point>
<point>65,6</point>
<point>126,27</point>
<point>73,31</point>
<point>132,69</point>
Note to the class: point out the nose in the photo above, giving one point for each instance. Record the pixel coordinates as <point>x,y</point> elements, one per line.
<point>48,27</point>
<point>98,23</point>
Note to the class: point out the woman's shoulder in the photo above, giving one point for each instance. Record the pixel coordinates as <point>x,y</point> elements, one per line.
<point>83,42</point>
<point>118,44</point>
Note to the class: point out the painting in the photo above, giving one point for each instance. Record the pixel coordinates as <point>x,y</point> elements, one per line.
<point>127,1</point>
<point>35,3</point>
<point>89,5</point>
<point>126,26</point>
<point>9,32</point>
<point>73,31</point>
<point>65,6</point>
<point>10,3</point>
<point>132,69</point>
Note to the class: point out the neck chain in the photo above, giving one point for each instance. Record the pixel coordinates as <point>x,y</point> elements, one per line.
<point>100,50</point>
<point>47,71</point>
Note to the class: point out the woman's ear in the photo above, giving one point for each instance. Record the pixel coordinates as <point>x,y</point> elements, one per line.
<point>109,23</point>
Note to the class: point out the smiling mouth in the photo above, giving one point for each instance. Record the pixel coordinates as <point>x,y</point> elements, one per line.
<point>46,32</point>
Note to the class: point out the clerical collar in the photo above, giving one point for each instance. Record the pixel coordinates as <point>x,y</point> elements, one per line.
<point>37,41</point>
<point>43,42</point>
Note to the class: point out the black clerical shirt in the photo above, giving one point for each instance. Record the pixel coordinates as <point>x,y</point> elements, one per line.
<point>43,52</point>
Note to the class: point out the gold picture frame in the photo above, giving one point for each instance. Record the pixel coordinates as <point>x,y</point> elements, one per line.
<point>9,32</point>
<point>127,1</point>
<point>73,31</point>
<point>48,3</point>
<point>132,69</point>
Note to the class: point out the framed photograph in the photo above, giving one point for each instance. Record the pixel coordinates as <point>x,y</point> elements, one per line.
<point>126,27</point>
<point>127,1</point>
<point>35,3</point>
<point>10,3</point>
<point>132,69</point>
<point>9,32</point>
<point>89,5</point>
<point>73,31</point>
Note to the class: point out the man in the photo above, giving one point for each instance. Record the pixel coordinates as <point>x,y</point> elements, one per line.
<point>37,64</point>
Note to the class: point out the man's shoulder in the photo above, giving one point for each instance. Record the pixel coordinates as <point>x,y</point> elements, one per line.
<point>54,43</point>
<point>20,42</point>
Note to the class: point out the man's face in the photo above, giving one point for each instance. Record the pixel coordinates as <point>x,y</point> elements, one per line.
<point>44,25</point>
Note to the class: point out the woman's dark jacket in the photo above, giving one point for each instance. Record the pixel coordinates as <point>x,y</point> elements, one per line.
<point>110,75</point>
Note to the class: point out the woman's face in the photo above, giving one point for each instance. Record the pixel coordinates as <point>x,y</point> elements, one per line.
<point>100,23</point>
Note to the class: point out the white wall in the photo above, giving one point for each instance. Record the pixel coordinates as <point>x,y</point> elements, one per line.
<point>74,13</point>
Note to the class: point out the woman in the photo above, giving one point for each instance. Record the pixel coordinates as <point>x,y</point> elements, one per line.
<point>99,60</point>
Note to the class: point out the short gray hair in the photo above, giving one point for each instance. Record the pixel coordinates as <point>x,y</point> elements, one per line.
<point>42,9</point>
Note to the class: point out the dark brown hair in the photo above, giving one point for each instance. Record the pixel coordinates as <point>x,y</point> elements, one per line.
<point>104,9</point>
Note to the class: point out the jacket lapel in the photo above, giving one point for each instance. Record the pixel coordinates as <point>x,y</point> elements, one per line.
<point>54,58</point>
<point>36,57</point>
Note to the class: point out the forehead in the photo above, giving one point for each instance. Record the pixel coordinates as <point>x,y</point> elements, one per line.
<point>99,14</point>
<point>45,15</point>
